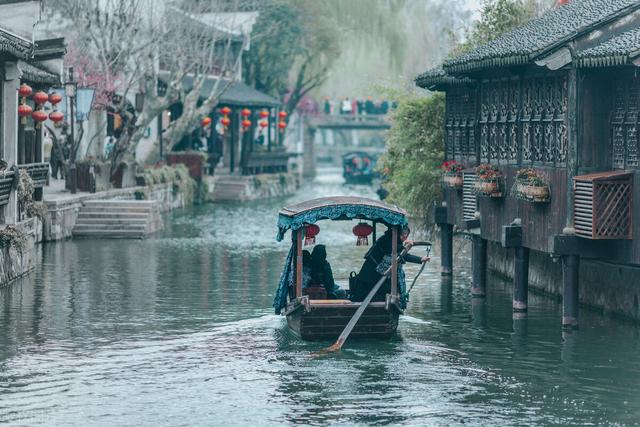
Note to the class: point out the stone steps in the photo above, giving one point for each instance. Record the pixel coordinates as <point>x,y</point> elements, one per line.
<point>131,219</point>
<point>231,187</point>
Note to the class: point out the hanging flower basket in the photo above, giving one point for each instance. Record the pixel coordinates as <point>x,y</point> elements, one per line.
<point>490,182</point>
<point>452,175</point>
<point>530,186</point>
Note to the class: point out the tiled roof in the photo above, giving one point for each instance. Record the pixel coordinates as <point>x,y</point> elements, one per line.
<point>233,93</point>
<point>437,78</point>
<point>613,52</point>
<point>551,29</point>
<point>14,45</point>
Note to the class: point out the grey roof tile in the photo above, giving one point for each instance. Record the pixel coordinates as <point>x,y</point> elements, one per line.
<point>613,52</point>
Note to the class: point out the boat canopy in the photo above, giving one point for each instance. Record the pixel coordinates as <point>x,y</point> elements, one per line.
<point>338,208</point>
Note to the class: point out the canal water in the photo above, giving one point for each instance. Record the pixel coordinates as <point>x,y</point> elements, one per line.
<point>178,330</point>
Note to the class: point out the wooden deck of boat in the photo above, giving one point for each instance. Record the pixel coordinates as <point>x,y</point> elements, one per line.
<point>326,319</point>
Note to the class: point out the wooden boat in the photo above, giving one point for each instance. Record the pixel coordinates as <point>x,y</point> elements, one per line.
<point>312,318</point>
<point>358,167</point>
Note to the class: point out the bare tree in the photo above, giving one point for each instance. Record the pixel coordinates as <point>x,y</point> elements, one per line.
<point>135,46</point>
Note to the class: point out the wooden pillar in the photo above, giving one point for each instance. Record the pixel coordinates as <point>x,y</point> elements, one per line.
<point>299,263</point>
<point>479,261</point>
<point>21,144</point>
<point>521,279</point>
<point>9,128</point>
<point>570,296</point>
<point>479,312</point>
<point>446,294</point>
<point>37,151</point>
<point>446,232</point>
<point>270,121</point>
<point>394,261</point>
<point>375,234</point>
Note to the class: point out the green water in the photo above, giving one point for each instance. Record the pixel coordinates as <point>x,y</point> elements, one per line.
<point>178,330</point>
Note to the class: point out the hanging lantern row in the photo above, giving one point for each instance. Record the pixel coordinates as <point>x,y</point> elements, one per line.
<point>282,124</point>
<point>362,231</point>
<point>39,98</point>
<point>310,233</point>
<point>225,120</point>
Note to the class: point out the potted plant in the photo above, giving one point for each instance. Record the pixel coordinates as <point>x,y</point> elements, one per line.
<point>452,175</point>
<point>531,186</point>
<point>490,180</point>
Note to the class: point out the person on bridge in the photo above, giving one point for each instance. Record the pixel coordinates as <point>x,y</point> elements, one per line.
<point>368,105</point>
<point>327,105</point>
<point>346,106</point>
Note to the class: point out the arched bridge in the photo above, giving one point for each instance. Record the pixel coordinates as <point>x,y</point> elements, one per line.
<point>360,122</point>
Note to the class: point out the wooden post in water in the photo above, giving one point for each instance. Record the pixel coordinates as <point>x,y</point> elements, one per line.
<point>570,296</point>
<point>446,232</point>
<point>299,263</point>
<point>521,279</point>
<point>479,261</point>
<point>394,261</point>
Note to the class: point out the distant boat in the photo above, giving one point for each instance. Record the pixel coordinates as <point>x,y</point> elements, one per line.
<point>358,167</point>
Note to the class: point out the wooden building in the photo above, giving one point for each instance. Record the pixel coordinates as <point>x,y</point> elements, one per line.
<point>561,95</point>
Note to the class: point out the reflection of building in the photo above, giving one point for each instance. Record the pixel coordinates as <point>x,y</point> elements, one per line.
<point>560,95</point>
<point>33,59</point>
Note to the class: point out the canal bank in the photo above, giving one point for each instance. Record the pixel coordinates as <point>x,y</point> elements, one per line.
<point>109,332</point>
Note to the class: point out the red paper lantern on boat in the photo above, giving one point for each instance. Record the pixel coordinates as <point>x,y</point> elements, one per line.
<point>245,112</point>
<point>39,116</point>
<point>225,111</point>
<point>55,98</point>
<point>310,233</point>
<point>40,97</point>
<point>56,116</point>
<point>264,114</point>
<point>362,230</point>
<point>25,90</point>
<point>226,121</point>
<point>24,111</point>
<point>282,114</point>
<point>263,124</point>
<point>246,123</point>
<point>206,121</point>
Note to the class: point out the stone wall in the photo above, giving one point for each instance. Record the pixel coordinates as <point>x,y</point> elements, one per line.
<point>62,214</point>
<point>609,288</point>
<point>15,263</point>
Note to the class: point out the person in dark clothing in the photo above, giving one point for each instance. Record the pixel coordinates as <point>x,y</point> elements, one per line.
<point>321,274</point>
<point>377,260</point>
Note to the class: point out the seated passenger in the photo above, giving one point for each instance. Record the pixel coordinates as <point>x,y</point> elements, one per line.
<point>306,271</point>
<point>321,274</point>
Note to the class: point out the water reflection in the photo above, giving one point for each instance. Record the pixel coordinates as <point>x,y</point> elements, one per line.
<point>141,332</point>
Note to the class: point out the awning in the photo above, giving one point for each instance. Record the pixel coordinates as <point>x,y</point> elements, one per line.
<point>233,93</point>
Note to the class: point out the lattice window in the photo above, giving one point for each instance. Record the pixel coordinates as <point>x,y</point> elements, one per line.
<point>460,122</point>
<point>624,123</point>
<point>603,204</point>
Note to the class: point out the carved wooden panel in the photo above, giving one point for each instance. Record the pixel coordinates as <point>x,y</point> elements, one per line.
<point>624,123</point>
<point>460,122</point>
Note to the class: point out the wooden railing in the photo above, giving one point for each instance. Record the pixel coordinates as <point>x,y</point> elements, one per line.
<point>7,184</point>
<point>603,205</point>
<point>266,162</point>
<point>39,173</point>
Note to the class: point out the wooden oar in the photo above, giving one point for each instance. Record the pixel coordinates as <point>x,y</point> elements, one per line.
<point>363,306</point>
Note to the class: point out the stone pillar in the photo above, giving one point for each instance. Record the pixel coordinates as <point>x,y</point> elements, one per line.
<point>446,295</point>
<point>521,280</point>
<point>9,125</point>
<point>570,296</point>
<point>479,261</point>
<point>446,233</point>
<point>309,155</point>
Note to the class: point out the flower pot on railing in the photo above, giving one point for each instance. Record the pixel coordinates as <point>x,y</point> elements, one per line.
<point>530,186</point>
<point>452,180</point>
<point>490,182</point>
<point>452,175</point>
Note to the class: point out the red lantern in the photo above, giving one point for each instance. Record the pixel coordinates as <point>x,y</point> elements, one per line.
<point>282,114</point>
<point>310,233</point>
<point>263,124</point>
<point>56,116</point>
<point>24,111</point>
<point>225,121</point>
<point>55,98</point>
<point>282,125</point>
<point>362,230</point>
<point>206,121</point>
<point>225,111</point>
<point>245,112</point>
<point>264,114</point>
<point>246,123</point>
<point>40,97</point>
<point>39,116</point>
<point>25,90</point>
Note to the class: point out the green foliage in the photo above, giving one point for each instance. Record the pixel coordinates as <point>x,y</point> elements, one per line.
<point>30,207</point>
<point>13,237</point>
<point>411,165</point>
<point>177,175</point>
